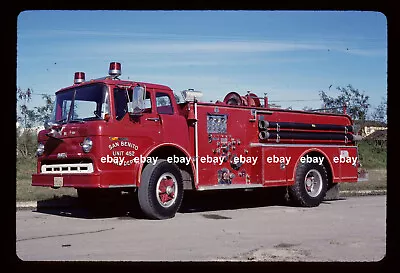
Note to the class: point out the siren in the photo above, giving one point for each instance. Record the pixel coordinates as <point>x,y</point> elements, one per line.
<point>79,77</point>
<point>191,95</point>
<point>115,69</point>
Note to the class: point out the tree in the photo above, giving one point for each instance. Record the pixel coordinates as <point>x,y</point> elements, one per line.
<point>31,117</point>
<point>43,113</point>
<point>177,98</point>
<point>27,117</point>
<point>162,101</point>
<point>380,112</point>
<point>356,101</point>
<point>26,143</point>
<point>307,108</point>
<point>274,105</point>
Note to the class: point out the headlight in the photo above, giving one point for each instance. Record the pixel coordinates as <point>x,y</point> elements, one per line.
<point>40,149</point>
<point>87,145</point>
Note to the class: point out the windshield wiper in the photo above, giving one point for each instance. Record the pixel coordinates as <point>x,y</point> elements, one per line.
<point>71,107</point>
<point>76,120</point>
<point>61,120</point>
<point>97,115</point>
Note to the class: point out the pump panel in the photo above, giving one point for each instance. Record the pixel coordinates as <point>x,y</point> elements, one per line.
<point>217,124</point>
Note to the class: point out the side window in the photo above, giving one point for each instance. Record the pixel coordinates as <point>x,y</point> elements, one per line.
<point>121,101</point>
<point>163,103</point>
<point>147,103</point>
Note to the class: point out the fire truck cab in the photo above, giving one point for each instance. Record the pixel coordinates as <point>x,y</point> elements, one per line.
<point>112,135</point>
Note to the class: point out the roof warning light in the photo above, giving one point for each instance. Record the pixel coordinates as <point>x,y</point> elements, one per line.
<point>79,77</point>
<point>115,69</point>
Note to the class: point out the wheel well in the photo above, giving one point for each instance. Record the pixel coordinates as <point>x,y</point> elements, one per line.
<point>325,163</point>
<point>186,170</point>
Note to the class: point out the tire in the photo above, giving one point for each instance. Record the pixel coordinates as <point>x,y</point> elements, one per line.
<point>310,185</point>
<point>160,192</point>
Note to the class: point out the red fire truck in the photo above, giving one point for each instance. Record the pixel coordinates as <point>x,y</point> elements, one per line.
<point>113,135</point>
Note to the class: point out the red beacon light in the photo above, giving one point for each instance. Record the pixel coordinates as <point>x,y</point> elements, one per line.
<point>79,77</point>
<point>115,69</point>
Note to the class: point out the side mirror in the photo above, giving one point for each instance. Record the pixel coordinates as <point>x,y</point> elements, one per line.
<point>138,97</point>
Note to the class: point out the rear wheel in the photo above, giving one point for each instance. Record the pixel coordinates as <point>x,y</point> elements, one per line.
<point>310,185</point>
<point>161,190</point>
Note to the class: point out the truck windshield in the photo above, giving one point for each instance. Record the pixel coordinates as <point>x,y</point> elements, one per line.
<point>82,103</point>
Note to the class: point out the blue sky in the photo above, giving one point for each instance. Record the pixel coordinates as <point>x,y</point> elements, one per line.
<point>291,55</point>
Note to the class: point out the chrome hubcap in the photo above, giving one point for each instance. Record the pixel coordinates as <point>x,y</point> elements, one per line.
<point>313,183</point>
<point>167,190</point>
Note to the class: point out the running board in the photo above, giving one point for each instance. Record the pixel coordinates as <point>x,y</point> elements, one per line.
<point>229,186</point>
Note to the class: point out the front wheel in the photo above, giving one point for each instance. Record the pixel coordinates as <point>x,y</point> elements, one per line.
<point>310,185</point>
<point>160,192</point>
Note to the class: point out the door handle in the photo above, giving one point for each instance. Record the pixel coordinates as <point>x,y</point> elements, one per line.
<point>153,119</point>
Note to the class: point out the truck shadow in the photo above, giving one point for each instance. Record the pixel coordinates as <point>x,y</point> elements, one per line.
<point>127,207</point>
<point>232,199</point>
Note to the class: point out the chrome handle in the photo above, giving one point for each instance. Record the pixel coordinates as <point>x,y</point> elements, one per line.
<point>153,119</point>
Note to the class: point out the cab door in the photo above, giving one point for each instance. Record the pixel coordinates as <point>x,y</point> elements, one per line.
<point>143,130</point>
<point>174,126</point>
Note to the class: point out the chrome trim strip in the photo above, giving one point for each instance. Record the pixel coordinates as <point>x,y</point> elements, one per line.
<point>196,144</point>
<point>349,177</point>
<point>274,181</point>
<point>225,187</point>
<point>58,168</point>
<point>300,145</point>
<point>122,186</point>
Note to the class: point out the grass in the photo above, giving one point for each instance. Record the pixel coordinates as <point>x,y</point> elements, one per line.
<point>26,192</point>
<point>377,180</point>
<point>372,158</point>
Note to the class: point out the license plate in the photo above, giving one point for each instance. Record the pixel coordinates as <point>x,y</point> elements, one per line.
<point>58,181</point>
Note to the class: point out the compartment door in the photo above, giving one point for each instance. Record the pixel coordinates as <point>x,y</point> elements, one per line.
<point>274,164</point>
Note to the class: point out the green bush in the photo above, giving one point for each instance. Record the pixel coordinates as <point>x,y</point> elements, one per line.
<point>25,167</point>
<point>24,189</point>
<point>372,155</point>
<point>26,143</point>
